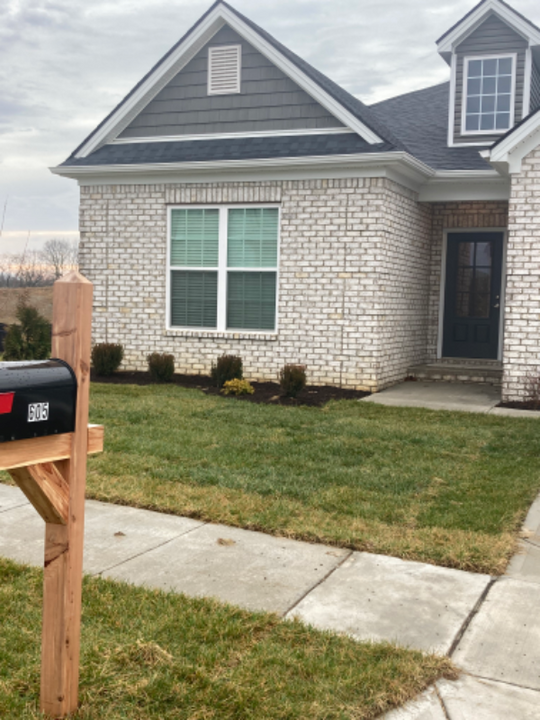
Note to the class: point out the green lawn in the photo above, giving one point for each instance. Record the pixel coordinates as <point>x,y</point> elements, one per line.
<point>153,656</point>
<point>447,488</point>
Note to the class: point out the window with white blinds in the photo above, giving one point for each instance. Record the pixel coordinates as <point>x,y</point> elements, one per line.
<point>223,268</point>
<point>224,63</point>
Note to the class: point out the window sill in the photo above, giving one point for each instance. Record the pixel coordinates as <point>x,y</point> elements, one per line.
<point>224,335</point>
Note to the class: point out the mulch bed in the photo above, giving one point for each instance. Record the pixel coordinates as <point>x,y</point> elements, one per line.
<point>265,392</point>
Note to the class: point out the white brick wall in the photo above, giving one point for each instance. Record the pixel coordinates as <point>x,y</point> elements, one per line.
<point>353,288</point>
<point>522,314</point>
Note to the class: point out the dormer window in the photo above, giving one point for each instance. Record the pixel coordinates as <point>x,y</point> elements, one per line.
<point>488,94</point>
<point>224,63</point>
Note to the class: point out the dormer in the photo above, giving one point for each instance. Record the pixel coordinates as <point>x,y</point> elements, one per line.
<point>494,55</point>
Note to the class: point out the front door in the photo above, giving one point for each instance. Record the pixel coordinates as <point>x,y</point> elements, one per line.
<point>473,295</point>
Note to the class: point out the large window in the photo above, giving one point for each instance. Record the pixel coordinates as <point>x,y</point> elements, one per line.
<point>223,268</point>
<point>488,94</point>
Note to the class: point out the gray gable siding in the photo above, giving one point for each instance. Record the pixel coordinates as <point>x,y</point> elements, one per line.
<point>492,37</point>
<point>268,100</point>
<point>535,87</point>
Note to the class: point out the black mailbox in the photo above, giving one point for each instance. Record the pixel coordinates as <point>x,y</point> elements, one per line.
<point>36,398</point>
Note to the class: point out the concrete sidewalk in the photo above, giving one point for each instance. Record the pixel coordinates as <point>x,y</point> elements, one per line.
<point>489,627</point>
<point>462,397</point>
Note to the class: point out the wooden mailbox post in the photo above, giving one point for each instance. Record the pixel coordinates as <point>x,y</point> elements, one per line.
<point>51,471</point>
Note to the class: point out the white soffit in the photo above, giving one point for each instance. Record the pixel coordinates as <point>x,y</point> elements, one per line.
<point>469,24</point>
<point>176,60</point>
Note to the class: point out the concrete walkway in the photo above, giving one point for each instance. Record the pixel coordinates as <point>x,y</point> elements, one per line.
<point>490,628</point>
<point>464,397</point>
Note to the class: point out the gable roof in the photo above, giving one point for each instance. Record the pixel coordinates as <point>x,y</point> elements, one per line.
<point>477,15</point>
<point>351,111</point>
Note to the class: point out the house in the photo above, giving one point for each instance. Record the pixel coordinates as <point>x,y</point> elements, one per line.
<point>239,201</point>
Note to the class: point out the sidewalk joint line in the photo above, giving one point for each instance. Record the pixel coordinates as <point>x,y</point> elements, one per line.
<point>443,706</point>
<point>144,552</point>
<point>319,582</point>
<point>505,682</point>
<point>468,620</point>
<point>15,507</point>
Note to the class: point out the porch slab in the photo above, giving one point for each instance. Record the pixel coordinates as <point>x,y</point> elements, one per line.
<point>503,640</point>
<point>439,396</point>
<point>374,597</point>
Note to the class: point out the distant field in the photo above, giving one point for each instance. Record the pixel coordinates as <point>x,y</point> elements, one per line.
<point>40,298</point>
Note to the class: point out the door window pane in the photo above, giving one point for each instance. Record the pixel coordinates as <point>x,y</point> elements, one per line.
<point>473,282</point>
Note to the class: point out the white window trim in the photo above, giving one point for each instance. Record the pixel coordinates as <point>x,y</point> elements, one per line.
<point>466,60</point>
<point>222,270</point>
<point>211,51</point>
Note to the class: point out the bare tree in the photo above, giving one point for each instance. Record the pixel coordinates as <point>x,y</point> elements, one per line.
<point>60,256</point>
<point>30,271</point>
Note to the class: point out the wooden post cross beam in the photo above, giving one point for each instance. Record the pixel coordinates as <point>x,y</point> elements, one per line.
<point>51,471</point>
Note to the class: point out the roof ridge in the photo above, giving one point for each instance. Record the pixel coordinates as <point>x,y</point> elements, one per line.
<point>482,2</point>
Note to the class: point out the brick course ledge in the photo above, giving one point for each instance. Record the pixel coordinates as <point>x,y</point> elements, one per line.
<point>211,335</point>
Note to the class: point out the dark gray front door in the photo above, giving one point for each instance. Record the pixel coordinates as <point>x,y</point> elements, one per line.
<point>473,295</point>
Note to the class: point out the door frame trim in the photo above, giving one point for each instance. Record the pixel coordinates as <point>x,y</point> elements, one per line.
<point>442,289</point>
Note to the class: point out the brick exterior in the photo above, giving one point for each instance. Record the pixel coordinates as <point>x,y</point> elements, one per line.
<point>453,216</point>
<point>353,282</point>
<point>522,315</point>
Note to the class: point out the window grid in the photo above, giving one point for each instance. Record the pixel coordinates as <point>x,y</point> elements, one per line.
<point>222,270</point>
<point>488,95</point>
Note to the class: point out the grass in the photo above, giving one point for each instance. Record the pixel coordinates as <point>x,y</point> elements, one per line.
<point>151,655</point>
<point>440,487</point>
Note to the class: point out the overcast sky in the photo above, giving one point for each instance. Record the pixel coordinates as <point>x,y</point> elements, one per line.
<point>64,64</point>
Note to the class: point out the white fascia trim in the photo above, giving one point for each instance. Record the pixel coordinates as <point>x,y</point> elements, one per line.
<point>230,136</point>
<point>181,56</point>
<point>508,154</point>
<point>401,166</point>
<point>452,103</point>
<point>463,186</point>
<point>469,24</point>
<point>527,84</point>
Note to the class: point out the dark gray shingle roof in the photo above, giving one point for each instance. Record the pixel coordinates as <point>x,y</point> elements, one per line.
<point>227,149</point>
<point>420,120</point>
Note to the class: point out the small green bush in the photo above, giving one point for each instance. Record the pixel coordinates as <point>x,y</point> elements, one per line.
<point>292,379</point>
<point>30,338</point>
<point>227,367</point>
<point>106,358</point>
<point>161,367</point>
<point>237,387</point>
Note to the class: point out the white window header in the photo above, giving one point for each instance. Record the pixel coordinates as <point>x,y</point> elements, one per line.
<point>224,63</point>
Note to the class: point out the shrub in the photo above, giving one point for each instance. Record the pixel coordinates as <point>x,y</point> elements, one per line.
<point>30,338</point>
<point>161,367</point>
<point>227,367</point>
<point>532,388</point>
<point>237,387</point>
<point>292,379</point>
<point>106,358</point>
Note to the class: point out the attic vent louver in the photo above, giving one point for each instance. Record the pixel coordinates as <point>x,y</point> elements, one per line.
<point>224,69</point>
